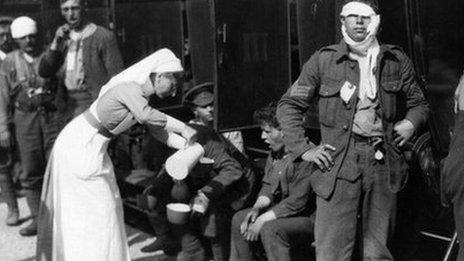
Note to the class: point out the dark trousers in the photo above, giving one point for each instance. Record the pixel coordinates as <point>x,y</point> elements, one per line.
<point>6,179</point>
<point>368,196</point>
<point>211,230</point>
<point>35,133</point>
<point>278,237</point>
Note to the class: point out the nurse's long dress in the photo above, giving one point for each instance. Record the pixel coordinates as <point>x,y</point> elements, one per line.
<point>81,215</point>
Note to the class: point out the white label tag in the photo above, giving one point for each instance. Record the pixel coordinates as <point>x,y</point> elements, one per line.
<point>347,91</point>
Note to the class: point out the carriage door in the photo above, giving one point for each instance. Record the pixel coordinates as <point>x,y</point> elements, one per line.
<point>252,41</point>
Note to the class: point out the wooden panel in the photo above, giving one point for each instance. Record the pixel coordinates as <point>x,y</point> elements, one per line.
<point>316,26</point>
<point>253,58</point>
<point>202,35</point>
<point>144,27</point>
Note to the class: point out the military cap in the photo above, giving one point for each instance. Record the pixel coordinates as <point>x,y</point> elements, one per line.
<point>200,95</point>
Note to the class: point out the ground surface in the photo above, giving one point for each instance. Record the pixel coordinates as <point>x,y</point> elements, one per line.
<point>14,247</point>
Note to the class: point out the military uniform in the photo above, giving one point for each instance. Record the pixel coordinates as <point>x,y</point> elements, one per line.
<point>34,105</point>
<point>356,173</point>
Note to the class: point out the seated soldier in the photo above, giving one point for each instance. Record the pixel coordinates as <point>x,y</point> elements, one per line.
<point>283,215</point>
<point>200,99</point>
<point>223,187</point>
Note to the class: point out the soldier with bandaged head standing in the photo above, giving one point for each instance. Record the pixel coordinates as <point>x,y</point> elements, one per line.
<point>32,102</point>
<point>370,106</point>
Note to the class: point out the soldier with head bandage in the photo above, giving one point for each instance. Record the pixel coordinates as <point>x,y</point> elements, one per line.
<point>370,106</point>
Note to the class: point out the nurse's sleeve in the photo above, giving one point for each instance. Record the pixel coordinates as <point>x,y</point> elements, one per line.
<point>134,100</point>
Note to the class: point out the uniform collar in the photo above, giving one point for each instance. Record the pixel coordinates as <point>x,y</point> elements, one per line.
<point>342,50</point>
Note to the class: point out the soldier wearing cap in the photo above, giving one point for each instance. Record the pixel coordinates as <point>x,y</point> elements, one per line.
<point>200,99</point>
<point>31,103</point>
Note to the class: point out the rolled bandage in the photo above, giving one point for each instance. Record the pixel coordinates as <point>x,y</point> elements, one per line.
<point>181,163</point>
<point>174,125</point>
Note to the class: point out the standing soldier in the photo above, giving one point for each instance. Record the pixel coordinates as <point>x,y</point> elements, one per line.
<point>31,101</point>
<point>369,106</point>
<point>6,141</point>
<point>83,55</point>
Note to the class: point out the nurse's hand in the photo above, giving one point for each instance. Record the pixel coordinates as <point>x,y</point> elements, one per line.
<point>189,134</point>
<point>5,139</point>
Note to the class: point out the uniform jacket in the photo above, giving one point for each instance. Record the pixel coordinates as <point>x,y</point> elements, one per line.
<point>17,78</point>
<point>230,178</point>
<point>101,60</point>
<point>287,184</point>
<point>321,78</point>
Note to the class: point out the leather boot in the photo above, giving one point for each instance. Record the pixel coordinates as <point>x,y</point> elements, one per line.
<point>33,201</point>
<point>165,242</point>
<point>9,195</point>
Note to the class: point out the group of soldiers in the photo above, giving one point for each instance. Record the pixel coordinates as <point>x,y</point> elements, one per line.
<point>326,197</point>
<point>41,89</point>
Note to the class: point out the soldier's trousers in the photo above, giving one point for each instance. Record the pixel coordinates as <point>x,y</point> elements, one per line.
<point>36,132</point>
<point>368,198</point>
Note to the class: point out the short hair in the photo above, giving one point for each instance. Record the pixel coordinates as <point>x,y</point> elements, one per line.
<point>372,3</point>
<point>267,115</point>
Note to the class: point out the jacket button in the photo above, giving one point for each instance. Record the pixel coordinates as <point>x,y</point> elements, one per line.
<point>345,127</point>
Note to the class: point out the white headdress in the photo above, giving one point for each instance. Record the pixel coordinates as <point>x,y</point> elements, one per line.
<point>163,60</point>
<point>23,26</point>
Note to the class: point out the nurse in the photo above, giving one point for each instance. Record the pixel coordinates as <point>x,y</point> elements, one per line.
<point>81,213</point>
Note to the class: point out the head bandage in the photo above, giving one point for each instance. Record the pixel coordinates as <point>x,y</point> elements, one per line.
<point>23,26</point>
<point>357,8</point>
<point>365,51</point>
<point>361,9</point>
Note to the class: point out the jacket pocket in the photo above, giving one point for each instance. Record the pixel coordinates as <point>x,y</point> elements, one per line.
<point>329,101</point>
<point>390,99</point>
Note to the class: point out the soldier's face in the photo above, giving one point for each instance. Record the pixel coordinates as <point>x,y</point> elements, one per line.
<point>272,136</point>
<point>72,12</point>
<point>27,43</point>
<point>204,113</point>
<point>5,38</point>
<point>356,26</point>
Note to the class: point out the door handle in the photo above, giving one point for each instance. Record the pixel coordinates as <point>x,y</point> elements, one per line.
<point>222,33</point>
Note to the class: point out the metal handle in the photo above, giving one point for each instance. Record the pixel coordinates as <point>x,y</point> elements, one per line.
<point>222,32</point>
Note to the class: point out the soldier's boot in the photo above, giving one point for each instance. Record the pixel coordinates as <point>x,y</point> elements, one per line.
<point>164,239</point>
<point>9,195</point>
<point>33,201</point>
